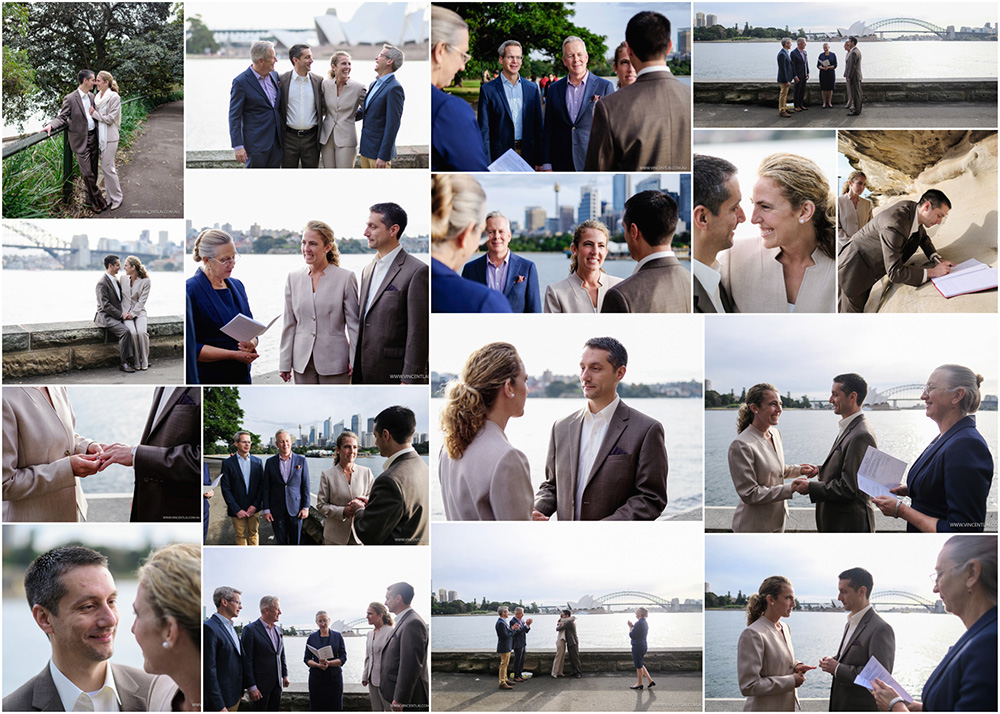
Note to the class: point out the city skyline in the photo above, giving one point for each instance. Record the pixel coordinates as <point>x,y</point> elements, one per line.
<point>121,231</point>
<point>828,16</point>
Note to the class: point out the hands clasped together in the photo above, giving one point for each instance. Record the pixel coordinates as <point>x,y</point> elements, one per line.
<point>801,484</point>
<point>354,506</point>
<point>99,457</point>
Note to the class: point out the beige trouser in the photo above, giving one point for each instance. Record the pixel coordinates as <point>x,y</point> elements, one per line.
<point>504,661</point>
<point>557,663</point>
<point>338,157</point>
<point>783,98</point>
<point>311,376</point>
<point>246,529</point>
<point>111,184</point>
<point>140,340</point>
<point>367,163</point>
<point>379,704</point>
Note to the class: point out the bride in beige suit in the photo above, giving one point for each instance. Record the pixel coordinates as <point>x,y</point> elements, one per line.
<point>135,291</point>
<point>43,456</point>
<point>343,96</point>
<point>757,464</point>
<point>338,486</point>
<point>321,314</point>
<point>587,284</point>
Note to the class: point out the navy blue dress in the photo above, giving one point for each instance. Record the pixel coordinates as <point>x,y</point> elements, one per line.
<point>456,144</point>
<point>326,687</point>
<point>827,77</point>
<point>638,634</point>
<point>211,309</point>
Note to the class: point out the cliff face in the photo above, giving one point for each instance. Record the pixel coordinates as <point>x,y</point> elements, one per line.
<point>901,165</point>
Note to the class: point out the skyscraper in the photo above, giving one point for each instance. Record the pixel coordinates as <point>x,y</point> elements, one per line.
<point>650,184</point>
<point>590,204</point>
<point>356,423</point>
<point>622,191</point>
<point>684,204</point>
<point>699,19</point>
<point>327,423</point>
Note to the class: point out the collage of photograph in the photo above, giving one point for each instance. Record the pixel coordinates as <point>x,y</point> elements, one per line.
<point>795,203</point>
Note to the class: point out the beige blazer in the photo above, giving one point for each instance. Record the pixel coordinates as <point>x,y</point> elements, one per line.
<point>758,471</point>
<point>491,482</point>
<point>569,295</point>
<point>850,220</point>
<point>373,654</point>
<point>340,112</point>
<point>38,439</point>
<point>334,494</point>
<point>754,279</point>
<point>108,111</point>
<point>323,325</point>
<point>765,663</point>
<point>134,296</point>
<point>162,693</point>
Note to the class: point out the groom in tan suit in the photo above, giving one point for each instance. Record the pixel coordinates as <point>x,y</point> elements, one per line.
<point>607,461</point>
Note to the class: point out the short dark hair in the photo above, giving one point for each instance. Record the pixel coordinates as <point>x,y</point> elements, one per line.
<point>858,577</point>
<point>43,583</point>
<point>853,39</point>
<point>84,74</point>
<point>617,354</point>
<point>110,260</point>
<point>655,213</point>
<point>567,613</point>
<point>295,51</point>
<point>851,382</point>
<point>404,590</point>
<point>710,174</point>
<point>648,35</point>
<point>935,197</point>
<point>392,215</point>
<point>399,421</point>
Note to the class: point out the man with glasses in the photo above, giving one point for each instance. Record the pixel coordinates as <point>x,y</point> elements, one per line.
<point>510,110</point>
<point>383,109</point>
<point>243,489</point>
<point>884,246</point>
<point>223,659</point>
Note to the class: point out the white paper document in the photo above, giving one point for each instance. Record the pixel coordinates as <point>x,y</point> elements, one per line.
<point>879,472</point>
<point>874,670</point>
<point>972,276</point>
<point>511,161</point>
<point>323,652</point>
<point>214,485</point>
<point>243,329</point>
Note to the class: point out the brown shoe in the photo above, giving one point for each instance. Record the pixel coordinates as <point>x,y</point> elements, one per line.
<point>504,685</point>
<point>785,115</point>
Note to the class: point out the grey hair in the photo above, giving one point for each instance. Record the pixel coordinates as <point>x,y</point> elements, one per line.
<point>259,50</point>
<point>321,612</point>
<point>241,432</point>
<point>267,602</point>
<point>497,214</point>
<point>508,43</point>
<point>981,548</point>
<point>395,56</point>
<point>224,593</point>
<point>786,41</point>
<point>801,39</point>
<point>207,244</point>
<point>502,609</point>
<point>445,26</point>
<point>282,431</point>
<point>573,38</point>
<point>959,376</point>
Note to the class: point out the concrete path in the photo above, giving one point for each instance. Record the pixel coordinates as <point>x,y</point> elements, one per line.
<point>593,692</point>
<point>160,372</point>
<point>885,115</point>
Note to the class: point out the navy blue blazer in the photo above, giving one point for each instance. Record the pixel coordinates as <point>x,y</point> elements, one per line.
<point>519,635</point>
<point>223,667</point>
<point>253,123</point>
<point>234,491</point>
<point>638,633</point>
<point>263,667</point>
<point>565,138</point>
<point>784,67</point>
<point>799,66</point>
<point>456,144</point>
<point>209,314</point>
<point>336,644</point>
<point>450,292</point>
<point>496,123</point>
<point>521,294</point>
<point>190,351</point>
<point>381,120</point>
<point>505,636</point>
<point>294,495</point>
<point>951,479</point>
<point>966,679</point>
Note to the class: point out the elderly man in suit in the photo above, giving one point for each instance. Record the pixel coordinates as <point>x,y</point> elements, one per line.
<point>222,658</point>
<point>568,628</point>
<point>866,635</point>
<point>383,110</point>
<point>404,657</point>
<point>243,490</point>
<point>501,270</point>
<point>785,76</point>
<point>569,110</point>
<point>520,627</point>
<point>395,512</point>
<point>853,77</point>
<point>647,125</point>
<point>505,643</point>
<point>392,336</point>
<point>884,246</point>
<point>302,107</point>
<point>109,311</point>
<point>265,672</point>
<point>716,214</point>
<point>74,601</point>
<point>800,74</point>
<point>659,282</point>
<point>841,507</point>
<point>286,491</point>
<point>607,461</point>
<point>81,130</point>
<point>255,122</point>
<point>510,110</point>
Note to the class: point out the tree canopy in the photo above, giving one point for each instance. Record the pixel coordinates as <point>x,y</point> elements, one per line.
<point>200,39</point>
<point>224,416</point>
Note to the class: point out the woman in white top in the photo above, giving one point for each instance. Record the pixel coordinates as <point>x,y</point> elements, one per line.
<point>379,618</point>
<point>853,210</point>
<point>587,284</point>
<point>135,291</point>
<point>338,486</point>
<point>792,267</point>
<point>343,97</point>
<point>107,112</point>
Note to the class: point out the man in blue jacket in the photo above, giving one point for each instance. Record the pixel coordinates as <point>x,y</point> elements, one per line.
<point>784,76</point>
<point>223,658</point>
<point>286,491</point>
<point>519,643</point>
<point>800,74</point>
<point>254,117</point>
<point>383,110</point>
<point>265,671</point>
<point>510,110</point>
<point>242,481</point>
<point>505,643</point>
<point>501,270</point>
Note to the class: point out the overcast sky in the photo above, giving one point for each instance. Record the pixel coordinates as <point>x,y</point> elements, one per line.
<point>828,16</point>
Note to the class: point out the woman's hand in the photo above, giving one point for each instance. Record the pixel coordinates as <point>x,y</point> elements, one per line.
<point>802,668</point>
<point>243,355</point>
<point>808,470</point>
<point>285,376</point>
<point>886,504</point>
<point>900,490</point>
<point>883,694</point>
<point>84,466</point>
<point>799,679</point>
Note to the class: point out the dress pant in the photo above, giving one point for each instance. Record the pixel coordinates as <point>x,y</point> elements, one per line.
<point>270,702</point>
<point>783,98</point>
<point>339,157</point>
<point>504,661</point>
<point>574,658</point>
<point>379,704</point>
<point>799,99</point>
<point>88,162</point>
<point>517,661</point>
<point>301,146</point>
<point>265,160</point>
<point>557,663</point>
<point>121,332</point>
<point>855,96</point>
<point>140,339</point>
<point>111,184</point>
<point>367,163</point>
<point>287,529</point>
<point>247,532</point>
<point>311,376</point>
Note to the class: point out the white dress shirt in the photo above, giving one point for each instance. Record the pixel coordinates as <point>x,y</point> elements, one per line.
<point>853,620</point>
<point>301,103</point>
<point>595,426</point>
<point>709,277</point>
<point>843,423</point>
<point>87,104</point>
<point>656,255</point>
<point>392,459</point>
<point>75,699</point>
<point>379,273</point>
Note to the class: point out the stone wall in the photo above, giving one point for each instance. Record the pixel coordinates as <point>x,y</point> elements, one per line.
<point>539,662</point>
<point>933,90</point>
<point>408,157</point>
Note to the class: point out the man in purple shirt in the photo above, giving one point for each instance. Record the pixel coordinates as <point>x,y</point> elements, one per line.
<point>286,491</point>
<point>254,113</point>
<point>499,269</point>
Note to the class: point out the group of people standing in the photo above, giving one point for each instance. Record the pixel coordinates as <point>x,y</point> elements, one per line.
<point>793,70</point>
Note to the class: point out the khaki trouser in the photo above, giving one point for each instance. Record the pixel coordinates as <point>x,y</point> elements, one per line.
<point>783,98</point>
<point>557,663</point>
<point>504,661</point>
<point>246,530</point>
<point>367,163</point>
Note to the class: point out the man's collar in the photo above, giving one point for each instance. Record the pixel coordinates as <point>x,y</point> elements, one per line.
<point>506,259</point>
<point>569,80</point>
<point>243,458</point>
<point>608,411</point>
<point>507,81</point>
<point>391,255</point>
<point>391,459</point>
<point>653,68</point>
<point>259,75</point>
<point>69,693</point>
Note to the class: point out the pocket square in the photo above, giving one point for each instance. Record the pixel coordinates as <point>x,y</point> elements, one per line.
<point>618,452</point>
<point>520,279</point>
<point>392,289</point>
<point>185,399</point>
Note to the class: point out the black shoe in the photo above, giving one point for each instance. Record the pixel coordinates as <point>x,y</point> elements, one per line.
<point>637,686</point>
<point>578,675</point>
<point>125,367</point>
<point>853,114</point>
<point>652,684</point>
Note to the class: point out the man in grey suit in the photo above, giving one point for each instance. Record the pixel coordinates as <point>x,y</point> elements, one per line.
<point>659,282</point>
<point>109,310</point>
<point>852,76</point>
<point>74,601</point>
<point>715,214</point>
<point>842,507</point>
<point>404,657</point>
<point>568,628</point>
<point>392,336</point>
<point>884,246</point>
<point>607,461</point>
<point>395,512</point>
<point>301,107</point>
<point>866,635</point>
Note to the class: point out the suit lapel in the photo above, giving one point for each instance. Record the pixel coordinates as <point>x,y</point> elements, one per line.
<point>934,447</point>
<point>127,690</point>
<point>503,99</point>
<point>512,271</point>
<point>389,276</point>
<point>619,422</point>
<point>857,631</point>
<point>587,93</point>
<point>575,429</point>
<point>45,696</point>
<point>252,79</point>
<point>840,439</point>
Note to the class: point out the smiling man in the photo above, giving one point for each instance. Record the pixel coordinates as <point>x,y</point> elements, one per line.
<point>503,271</point>
<point>254,111</point>
<point>606,461</point>
<point>75,603</point>
<point>383,111</point>
<point>716,213</point>
<point>302,108</point>
<point>510,110</point>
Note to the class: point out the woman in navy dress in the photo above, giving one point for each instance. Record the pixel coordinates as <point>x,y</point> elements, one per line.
<point>827,74</point>
<point>949,482</point>
<point>326,677</point>
<point>638,632</point>
<point>216,299</point>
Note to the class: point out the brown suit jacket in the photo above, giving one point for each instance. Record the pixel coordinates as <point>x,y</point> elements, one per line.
<point>873,637</point>
<point>285,81</point>
<point>396,513</point>
<point>39,693</point>
<point>661,285</point>
<point>841,507</point>
<point>73,116</point>
<point>109,303</point>
<point>643,127</point>
<point>628,481</point>
<point>392,338</point>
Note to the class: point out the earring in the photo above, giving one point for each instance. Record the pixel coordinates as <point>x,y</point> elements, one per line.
<point>166,645</point>
<point>802,220</point>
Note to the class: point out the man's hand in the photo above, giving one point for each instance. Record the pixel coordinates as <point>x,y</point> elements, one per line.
<point>268,517</point>
<point>241,156</point>
<point>116,454</point>
<point>285,682</point>
<point>252,510</point>
<point>801,486</point>
<point>828,664</point>
<point>380,164</point>
<point>537,515</point>
<point>255,695</point>
<point>396,706</point>
<point>304,513</point>
<point>242,514</point>
<point>47,129</point>
<point>942,268</point>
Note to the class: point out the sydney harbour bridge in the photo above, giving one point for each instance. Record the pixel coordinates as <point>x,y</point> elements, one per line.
<point>897,26</point>
<point>891,599</point>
